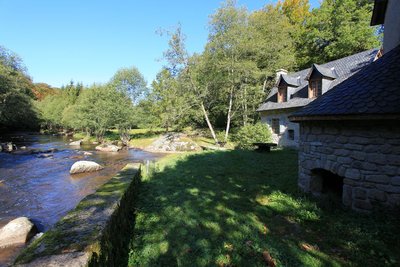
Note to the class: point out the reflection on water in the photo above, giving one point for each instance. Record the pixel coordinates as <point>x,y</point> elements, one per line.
<point>42,189</point>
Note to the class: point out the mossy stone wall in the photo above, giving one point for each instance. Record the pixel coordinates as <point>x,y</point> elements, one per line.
<point>96,233</point>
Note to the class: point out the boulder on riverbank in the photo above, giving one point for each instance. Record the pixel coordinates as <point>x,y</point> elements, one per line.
<point>76,143</point>
<point>85,166</point>
<point>173,142</point>
<point>7,147</point>
<point>108,148</point>
<point>16,232</point>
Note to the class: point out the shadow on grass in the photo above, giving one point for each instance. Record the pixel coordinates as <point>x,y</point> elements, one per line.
<point>227,208</point>
<point>147,134</point>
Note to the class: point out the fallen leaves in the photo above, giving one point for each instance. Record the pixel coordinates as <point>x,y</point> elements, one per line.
<point>307,247</point>
<point>268,259</point>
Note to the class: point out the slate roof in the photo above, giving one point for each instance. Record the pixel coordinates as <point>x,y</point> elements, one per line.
<point>343,68</point>
<point>326,72</point>
<point>293,81</point>
<point>374,90</point>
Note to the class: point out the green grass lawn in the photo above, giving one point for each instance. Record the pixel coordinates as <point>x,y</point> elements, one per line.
<point>227,208</point>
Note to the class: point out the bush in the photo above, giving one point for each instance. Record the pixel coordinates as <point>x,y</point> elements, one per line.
<point>249,134</point>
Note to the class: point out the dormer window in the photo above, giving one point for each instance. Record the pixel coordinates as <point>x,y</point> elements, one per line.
<point>282,94</point>
<point>315,88</point>
<point>286,84</point>
<point>319,80</point>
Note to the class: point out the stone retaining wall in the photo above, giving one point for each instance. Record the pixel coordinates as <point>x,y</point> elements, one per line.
<point>365,154</point>
<point>96,233</point>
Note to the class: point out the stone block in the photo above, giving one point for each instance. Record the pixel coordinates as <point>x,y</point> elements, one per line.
<point>344,160</point>
<point>357,155</point>
<point>386,149</point>
<point>353,147</point>
<point>341,170</point>
<point>332,131</point>
<point>347,195</point>
<point>362,204</point>
<point>331,157</point>
<point>395,180</point>
<point>341,152</point>
<point>377,195</point>
<point>389,170</point>
<point>389,188</point>
<point>377,158</point>
<point>358,140</point>
<point>316,130</point>
<point>353,174</point>
<point>390,134</point>
<point>356,164</point>
<point>371,148</point>
<point>393,159</point>
<point>349,182</point>
<point>359,193</point>
<point>369,166</point>
<point>311,137</point>
<point>394,200</point>
<point>342,139</point>
<point>378,178</point>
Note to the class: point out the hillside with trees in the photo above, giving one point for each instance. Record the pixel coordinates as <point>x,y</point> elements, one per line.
<point>218,89</point>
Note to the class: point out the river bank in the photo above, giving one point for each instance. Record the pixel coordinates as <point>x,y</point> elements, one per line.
<point>42,189</point>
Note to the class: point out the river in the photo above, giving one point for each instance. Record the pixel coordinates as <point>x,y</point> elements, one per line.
<point>40,187</point>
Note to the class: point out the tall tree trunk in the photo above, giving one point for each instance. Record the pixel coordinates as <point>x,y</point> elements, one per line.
<point>203,109</point>
<point>228,119</point>
<point>245,117</point>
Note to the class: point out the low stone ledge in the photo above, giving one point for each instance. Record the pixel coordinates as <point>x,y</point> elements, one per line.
<point>95,233</point>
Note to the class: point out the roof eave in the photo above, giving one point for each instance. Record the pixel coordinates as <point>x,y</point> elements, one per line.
<point>341,117</point>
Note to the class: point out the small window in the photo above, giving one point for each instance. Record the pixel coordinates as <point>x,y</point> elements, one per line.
<point>275,126</point>
<point>315,88</point>
<point>291,134</point>
<point>282,94</point>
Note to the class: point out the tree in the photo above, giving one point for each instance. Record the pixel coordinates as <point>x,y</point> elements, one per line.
<point>170,103</point>
<point>337,29</point>
<point>297,11</point>
<point>16,98</point>
<point>131,82</point>
<point>183,65</point>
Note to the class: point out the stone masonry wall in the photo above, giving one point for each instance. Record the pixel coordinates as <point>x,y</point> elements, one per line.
<point>365,153</point>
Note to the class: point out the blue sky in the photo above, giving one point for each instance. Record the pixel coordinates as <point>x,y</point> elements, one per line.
<point>89,40</point>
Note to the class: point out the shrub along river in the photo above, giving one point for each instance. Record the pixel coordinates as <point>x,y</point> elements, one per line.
<point>39,186</point>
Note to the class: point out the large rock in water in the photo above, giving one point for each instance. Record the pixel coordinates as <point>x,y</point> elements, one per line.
<point>76,143</point>
<point>84,166</point>
<point>8,147</point>
<point>108,148</point>
<point>16,232</point>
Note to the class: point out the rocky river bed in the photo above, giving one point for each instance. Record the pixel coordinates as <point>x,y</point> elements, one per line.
<point>39,185</point>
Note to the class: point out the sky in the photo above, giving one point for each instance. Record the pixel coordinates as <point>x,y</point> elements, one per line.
<point>89,40</point>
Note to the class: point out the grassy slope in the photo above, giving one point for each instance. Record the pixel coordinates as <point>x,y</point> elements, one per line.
<point>227,208</point>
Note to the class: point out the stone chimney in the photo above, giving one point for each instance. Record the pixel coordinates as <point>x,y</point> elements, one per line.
<point>279,72</point>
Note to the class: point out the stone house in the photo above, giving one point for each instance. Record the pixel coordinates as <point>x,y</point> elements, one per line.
<point>293,91</point>
<point>350,136</point>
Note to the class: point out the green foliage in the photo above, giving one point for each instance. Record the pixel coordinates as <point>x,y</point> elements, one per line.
<point>16,98</point>
<point>249,134</point>
<point>96,108</point>
<point>130,82</point>
<point>335,30</point>
<point>170,103</point>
